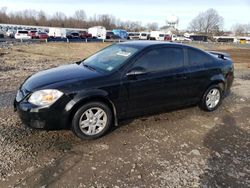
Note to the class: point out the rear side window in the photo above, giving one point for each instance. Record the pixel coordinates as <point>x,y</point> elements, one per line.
<point>161,59</point>
<point>23,32</point>
<point>198,58</point>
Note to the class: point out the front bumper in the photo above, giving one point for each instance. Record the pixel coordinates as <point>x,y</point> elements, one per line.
<point>54,117</point>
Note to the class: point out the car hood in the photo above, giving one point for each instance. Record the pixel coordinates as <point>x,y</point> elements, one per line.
<point>60,74</point>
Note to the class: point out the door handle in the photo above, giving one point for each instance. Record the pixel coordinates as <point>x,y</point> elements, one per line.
<point>180,77</point>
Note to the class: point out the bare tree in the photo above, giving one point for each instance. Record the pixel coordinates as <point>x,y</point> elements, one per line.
<point>3,15</point>
<point>208,22</point>
<point>42,18</point>
<point>107,21</point>
<point>80,15</point>
<point>152,26</point>
<point>59,16</point>
<point>241,29</point>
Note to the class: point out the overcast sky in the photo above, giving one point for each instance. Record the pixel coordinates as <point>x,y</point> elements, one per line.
<point>233,11</point>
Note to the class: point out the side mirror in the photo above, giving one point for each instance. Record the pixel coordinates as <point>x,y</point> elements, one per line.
<point>136,71</point>
<point>79,62</point>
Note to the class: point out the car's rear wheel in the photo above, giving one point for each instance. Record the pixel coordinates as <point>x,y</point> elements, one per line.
<point>211,98</point>
<point>92,120</point>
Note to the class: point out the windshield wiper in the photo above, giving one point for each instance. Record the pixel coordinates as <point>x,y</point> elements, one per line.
<point>89,67</point>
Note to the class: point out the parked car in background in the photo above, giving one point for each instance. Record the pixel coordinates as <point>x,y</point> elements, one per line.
<point>144,36</point>
<point>84,35</point>
<point>180,38</point>
<point>41,35</point>
<point>157,35</point>
<point>98,32</point>
<point>202,38</point>
<point>123,34</point>
<point>1,34</point>
<point>111,35</point>
<point>133,36</point>
<point>22,34</point>
<point>168,38</point>
<point>57,32</point>
<point>73,35</point>
<point>10,33</point>
<point>32,33</point>
<point>124,80</point>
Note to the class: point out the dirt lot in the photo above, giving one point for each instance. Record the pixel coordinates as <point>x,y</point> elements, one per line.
<point>184,148</point>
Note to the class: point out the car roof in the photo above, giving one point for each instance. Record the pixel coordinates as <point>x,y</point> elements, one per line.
<point>145,44</point>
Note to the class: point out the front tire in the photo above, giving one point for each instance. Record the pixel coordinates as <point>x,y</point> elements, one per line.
<point>92,120</point>
<point>211,99</point>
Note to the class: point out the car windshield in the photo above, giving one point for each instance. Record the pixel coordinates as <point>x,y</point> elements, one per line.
<point>110,58</point>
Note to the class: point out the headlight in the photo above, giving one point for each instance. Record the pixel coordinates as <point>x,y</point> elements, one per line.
<point>45,97</point>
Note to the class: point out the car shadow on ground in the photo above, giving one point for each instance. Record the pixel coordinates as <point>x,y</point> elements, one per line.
<point>229,163</point>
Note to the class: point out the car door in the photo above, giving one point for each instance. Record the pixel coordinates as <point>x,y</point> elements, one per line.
<point>156,80</point>
<point>199,72</point>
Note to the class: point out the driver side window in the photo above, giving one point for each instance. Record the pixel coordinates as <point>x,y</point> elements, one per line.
<point>161,59</point>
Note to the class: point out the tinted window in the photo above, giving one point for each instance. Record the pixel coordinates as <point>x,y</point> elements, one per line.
<point>161,59</point>
<point>198,58</point>
<point>23,32</point>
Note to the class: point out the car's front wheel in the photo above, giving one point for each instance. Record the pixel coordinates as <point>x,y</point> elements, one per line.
<point>211,98</point>
<point>92,120</point>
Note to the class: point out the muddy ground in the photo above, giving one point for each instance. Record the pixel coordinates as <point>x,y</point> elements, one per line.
<point>184,148</point>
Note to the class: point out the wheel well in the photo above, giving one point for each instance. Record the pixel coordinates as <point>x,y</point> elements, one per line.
<point>93,99</point>
<point>220,83</point>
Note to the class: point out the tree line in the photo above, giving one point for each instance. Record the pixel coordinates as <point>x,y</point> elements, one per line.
<point>78,20</point>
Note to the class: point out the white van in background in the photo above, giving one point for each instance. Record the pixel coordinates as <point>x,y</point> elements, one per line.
<point>98,32</point>
<point>57,32</point>
<point>144,36</point>
<point>157,35</point>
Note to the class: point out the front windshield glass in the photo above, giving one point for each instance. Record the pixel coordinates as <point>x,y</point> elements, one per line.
<point>110,58</point>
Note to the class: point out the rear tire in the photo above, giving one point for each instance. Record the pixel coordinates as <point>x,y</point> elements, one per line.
<point>92,120</point>
<point>211,99</point>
